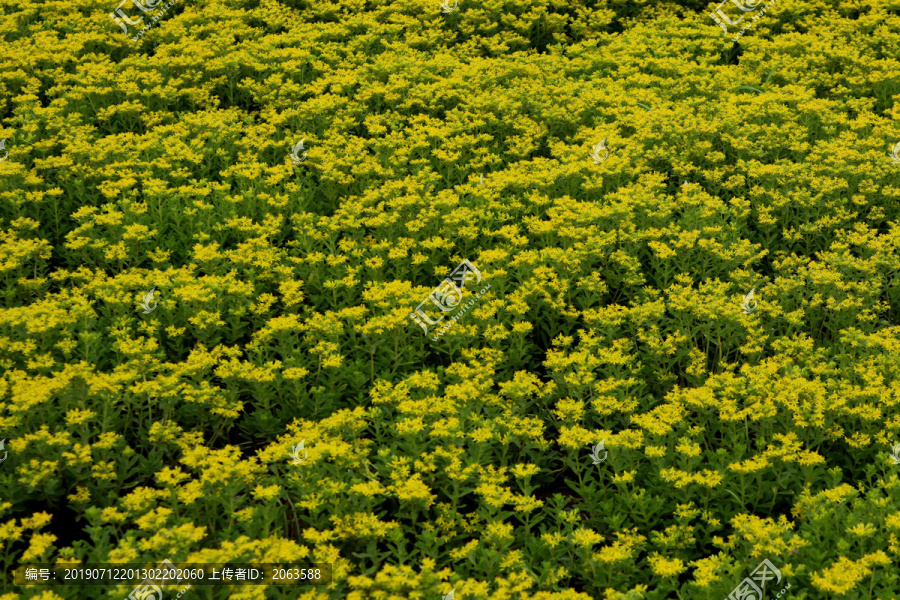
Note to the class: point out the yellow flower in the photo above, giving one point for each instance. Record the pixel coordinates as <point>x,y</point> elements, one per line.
<point>586,537</point>
<point>751,465</point>
<point>460,553</point>
<point>655,451</point>
<point>80,455</point>
<point>246,515</point>
<point>36,521</point>
<point>104,470</point>
<point>665,567</point>
<point>369,488</point>
<point>705,573</point>
<point>154,520</point>
<point>526,504</point>
<point>140,499</point>
<point>482,434</point>
<point>623,549</point>
<point>294,373</point>
<point>862,530</point>
<point>171,476</point>
<point>413,489</point>
<point>625,477</point>
<point>575,437</point>
<point>39,545</point>
<point>160,432</point>
<point>513,560</point>
<point>569,410</point>
<point>499,533</point>
<point>840,493</point>
<point>113,515</point>
<point>524,471</point>
<point>78,416</point>
<point>107,440</point>
<point>266,492</point>
<point>688,448</point>
<point>553,539</point>
<point>841,577</point>
<point>613,554</point>
<point>81,495</point>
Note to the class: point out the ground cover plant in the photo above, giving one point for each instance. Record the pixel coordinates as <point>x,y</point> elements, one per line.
<point>692,249</point>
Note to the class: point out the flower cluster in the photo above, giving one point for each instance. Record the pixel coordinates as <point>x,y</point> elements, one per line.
<point>717,299</point>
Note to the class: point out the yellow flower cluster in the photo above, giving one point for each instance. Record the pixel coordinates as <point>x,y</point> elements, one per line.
<point>206,351</point>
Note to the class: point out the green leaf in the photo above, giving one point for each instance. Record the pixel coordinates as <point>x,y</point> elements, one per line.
<point>772,72</point>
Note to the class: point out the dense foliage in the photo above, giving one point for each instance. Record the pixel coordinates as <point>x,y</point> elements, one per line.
<point>614,313</point>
